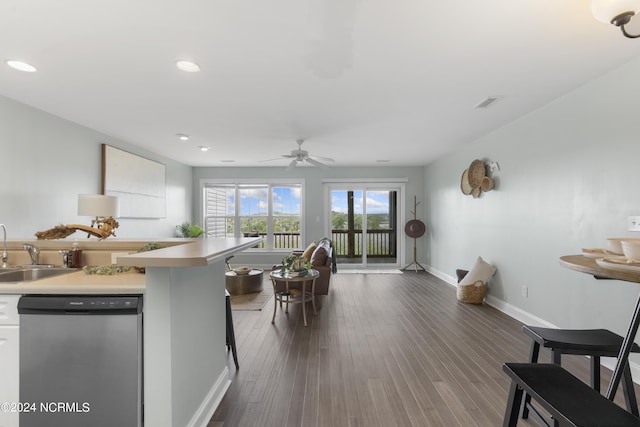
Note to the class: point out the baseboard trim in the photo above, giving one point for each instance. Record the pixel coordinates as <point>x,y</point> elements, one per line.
<point>517,313</point>
<point>443,276</point>
<point>211,401</point>
<point>529,319</point>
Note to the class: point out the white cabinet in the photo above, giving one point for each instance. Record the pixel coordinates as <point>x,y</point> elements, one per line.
<point>9,359</point>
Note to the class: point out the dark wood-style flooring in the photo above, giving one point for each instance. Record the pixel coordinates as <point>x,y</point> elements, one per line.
<point>384,350</point>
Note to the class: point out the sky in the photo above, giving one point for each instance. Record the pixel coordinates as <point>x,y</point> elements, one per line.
<point>377,201</point>
<point>254,201</point>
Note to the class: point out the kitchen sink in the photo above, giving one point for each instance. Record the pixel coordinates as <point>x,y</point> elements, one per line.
<point>30,273</point>
<point>22,267</point>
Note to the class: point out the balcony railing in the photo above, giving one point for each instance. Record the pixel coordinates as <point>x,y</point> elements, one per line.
<point>280,240</point>
<point>380,243</point>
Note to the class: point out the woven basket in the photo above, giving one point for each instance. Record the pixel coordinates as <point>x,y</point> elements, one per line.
<point>473,294</point>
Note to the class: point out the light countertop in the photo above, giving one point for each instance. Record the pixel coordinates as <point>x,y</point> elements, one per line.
<point>80,283</point>
<point>198,253</point>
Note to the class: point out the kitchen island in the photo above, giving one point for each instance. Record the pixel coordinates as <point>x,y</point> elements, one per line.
<point>185,363</point>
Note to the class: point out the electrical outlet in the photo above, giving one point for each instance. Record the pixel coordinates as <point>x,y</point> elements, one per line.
<point>633,223</point>
<point>525,291</point>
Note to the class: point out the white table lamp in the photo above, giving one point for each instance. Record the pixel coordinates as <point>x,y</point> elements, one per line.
<point>99,206</point>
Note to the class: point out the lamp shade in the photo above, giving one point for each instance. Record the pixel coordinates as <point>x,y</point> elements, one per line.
<point>98,205</point>
<point>606,10</point>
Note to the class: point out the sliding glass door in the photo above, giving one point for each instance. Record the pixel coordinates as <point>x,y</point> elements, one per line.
<point>364,224</point>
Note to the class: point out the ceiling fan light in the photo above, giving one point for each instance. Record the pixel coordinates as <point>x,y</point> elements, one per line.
<point>292,165</point>
<point>606,10</point>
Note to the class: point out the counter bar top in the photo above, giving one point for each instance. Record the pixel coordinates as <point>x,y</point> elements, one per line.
<point>80,283</point>
<point>198,253</point>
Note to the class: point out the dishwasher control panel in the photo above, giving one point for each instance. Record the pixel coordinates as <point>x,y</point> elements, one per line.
<point>93,303</point>
<point>77,304</point>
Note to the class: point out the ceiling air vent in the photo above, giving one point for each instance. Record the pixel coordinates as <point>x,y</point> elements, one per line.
<point>488,101</point>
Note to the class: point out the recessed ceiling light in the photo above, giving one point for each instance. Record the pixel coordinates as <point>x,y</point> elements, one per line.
<point>227,161</point>
<point>22,66</point>
<point>203,148</point>
<point>182,136</point>
<point>188,66</point>
<point>383,161</point>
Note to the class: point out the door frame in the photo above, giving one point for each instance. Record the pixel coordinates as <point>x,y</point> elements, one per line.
<point>373,184</point>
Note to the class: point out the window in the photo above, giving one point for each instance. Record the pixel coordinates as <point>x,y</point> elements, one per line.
<point>271,210</point>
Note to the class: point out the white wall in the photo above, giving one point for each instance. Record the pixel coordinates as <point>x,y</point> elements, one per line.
<point>568,180</point>
<point>46,161</point>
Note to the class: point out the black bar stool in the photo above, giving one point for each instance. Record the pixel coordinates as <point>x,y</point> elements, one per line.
<point>595,343</point>
<point>567,399</point>
<point>231,336</point>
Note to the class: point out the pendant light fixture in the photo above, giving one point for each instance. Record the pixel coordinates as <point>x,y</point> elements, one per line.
<point>616,12</point>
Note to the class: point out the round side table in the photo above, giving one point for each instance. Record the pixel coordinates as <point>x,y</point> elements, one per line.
<point>240,284</point>
<point>284,294</point>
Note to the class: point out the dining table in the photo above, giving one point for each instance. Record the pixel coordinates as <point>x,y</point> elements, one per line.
<point>590,266</point>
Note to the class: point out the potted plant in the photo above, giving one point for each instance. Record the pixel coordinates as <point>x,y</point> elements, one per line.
<point>188,230</point>
<point>295,263</point>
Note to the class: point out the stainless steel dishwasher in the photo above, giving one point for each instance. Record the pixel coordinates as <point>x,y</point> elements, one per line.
<point>80,361</point>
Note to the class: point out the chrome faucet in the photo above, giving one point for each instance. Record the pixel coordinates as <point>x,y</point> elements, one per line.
<point>34,252</point>
<point>5,255</point>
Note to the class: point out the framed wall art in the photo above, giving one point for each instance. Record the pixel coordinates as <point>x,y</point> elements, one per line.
<point>139,183</point>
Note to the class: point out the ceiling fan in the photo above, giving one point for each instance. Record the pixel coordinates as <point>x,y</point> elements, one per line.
<point>301,155</point>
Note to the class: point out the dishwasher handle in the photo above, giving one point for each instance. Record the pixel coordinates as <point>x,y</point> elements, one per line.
<point>80,304</point>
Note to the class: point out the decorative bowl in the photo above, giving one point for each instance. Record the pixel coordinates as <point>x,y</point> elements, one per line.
<point>242,271</point>
<point>615,243</point>
<point>631,249</point>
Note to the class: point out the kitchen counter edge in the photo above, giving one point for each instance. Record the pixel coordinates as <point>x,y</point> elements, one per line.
<point>199,253</point>
<point>79,282</point>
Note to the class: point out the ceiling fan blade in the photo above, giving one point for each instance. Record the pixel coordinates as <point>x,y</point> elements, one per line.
<point>317,163</point>
<point>325,159</point>
<point>292,164</point>
<point>270,160</point>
